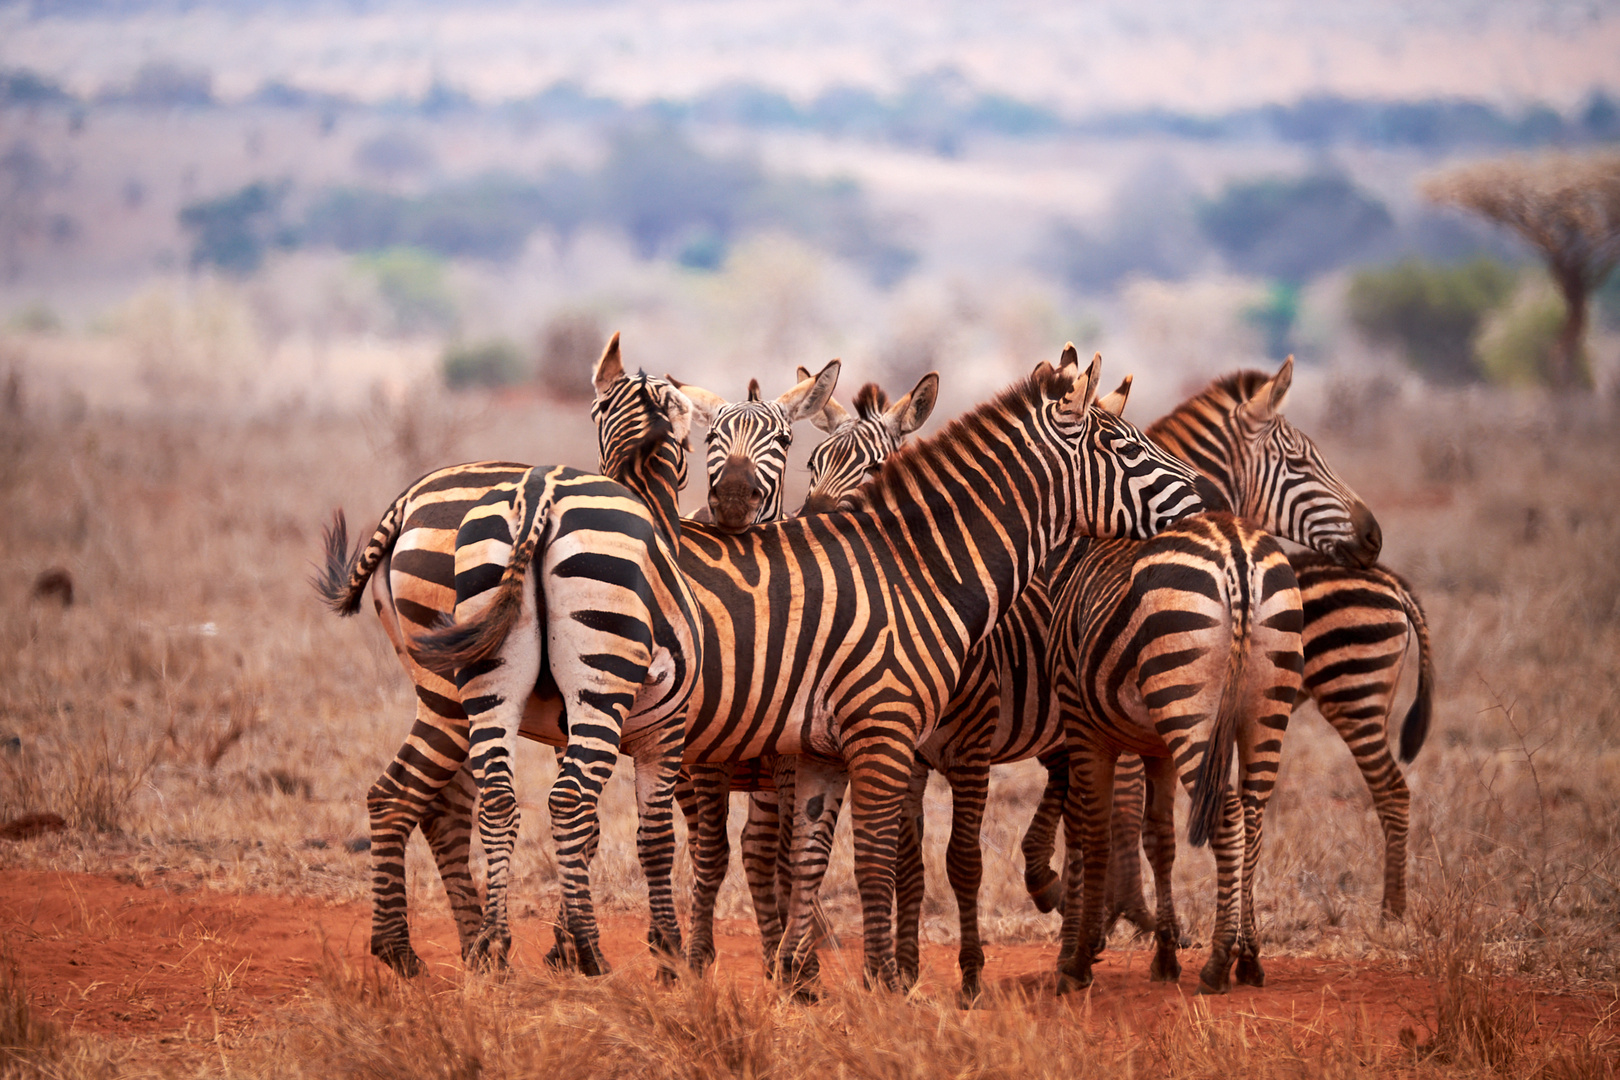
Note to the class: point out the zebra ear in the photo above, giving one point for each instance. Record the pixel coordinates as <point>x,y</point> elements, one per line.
<point>910,412</point>
<point>831,415</point>
<point>1084,394</point>
<point>810,396</point>
<point>1069,360</point>
<point>679,413</point>
<point>1267,402</point>
<point>610,368</point>
<point>1114,404</point>
<point>705,403</point>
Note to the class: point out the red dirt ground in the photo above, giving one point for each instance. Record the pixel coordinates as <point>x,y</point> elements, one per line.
<point>99,955</point>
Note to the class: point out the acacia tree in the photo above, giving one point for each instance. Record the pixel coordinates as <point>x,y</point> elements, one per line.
<point>1568,208</point>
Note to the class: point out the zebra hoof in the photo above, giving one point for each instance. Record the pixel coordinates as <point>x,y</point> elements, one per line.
<point>402,959</point>
<point>1068,984</point>
<point>1249,972</point>
<point>1165,968</point>
<point>1215,978</point>
<point>699,957</point>
<point>1045,889</point>
<point>488,953</point>
<point>968,996</point>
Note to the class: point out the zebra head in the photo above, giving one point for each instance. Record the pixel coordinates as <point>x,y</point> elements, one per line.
<point>1272,473</point>
<point>1121,483</point>
<point>856,445</point>
<point>642,428</point>
<point>748,445</point>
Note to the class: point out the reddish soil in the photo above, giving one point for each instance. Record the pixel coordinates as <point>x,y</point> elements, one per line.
<point>100,955</point>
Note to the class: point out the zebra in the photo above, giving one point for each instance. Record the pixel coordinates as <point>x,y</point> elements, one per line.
<point>1359,623</point>
<point>839,636</point>
<point>621,648</point>
<point>1184,649</point>
<point>1003,709</point>
<point>855,448</point>
<point>748,444</point>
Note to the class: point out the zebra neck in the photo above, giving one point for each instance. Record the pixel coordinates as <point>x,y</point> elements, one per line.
<point>1208,451</point>
<point>656,479</point>
<point>977,535</point>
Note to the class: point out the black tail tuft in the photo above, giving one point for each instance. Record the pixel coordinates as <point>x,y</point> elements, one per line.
<point>451,647</point>
<point>335,572</point>
<point>1214,772</point>
<point>1415,728</point>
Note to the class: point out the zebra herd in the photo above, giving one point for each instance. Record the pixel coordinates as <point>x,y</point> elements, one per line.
<point>1039,579</point>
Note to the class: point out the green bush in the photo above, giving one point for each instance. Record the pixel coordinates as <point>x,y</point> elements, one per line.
<point>1516,343</point>
<point>496,362</point>
<point>413,283</point>
<point>1431,312</point>
<point>234,231</point>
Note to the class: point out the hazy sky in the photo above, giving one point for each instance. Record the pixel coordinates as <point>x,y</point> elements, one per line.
<point>1074,55</point>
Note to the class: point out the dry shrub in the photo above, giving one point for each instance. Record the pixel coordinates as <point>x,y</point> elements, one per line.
<point>92,782</point>
<point>25,1042</point>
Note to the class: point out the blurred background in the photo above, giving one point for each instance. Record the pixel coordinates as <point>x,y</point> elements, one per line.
<point>253,204</point>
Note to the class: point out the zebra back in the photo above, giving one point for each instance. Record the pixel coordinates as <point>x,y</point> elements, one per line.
<point>1000,486</point>
<point>1272,474</point>
<point>748,445</point>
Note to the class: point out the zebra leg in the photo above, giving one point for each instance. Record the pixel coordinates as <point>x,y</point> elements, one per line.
<point>447,827</point>
<point>817,796</point>
<point>706,801</point>
<point>1086,820</point>
<point>786,773</point>
<point>575,829</point>
<point>1159,841</point>
<point>655,847</point>
<point>1215,978</point>
<point>432,756</point>
<point>759,850</point>
<point>1045,885</point>
<point>493,692</point>
<point>880,759</point>
<point>1123,896</point>
<point>909,885</point>
<point>1364,727</point>
<point>964,865</point>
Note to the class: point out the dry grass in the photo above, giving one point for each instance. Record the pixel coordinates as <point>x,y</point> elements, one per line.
<point>197,710</point>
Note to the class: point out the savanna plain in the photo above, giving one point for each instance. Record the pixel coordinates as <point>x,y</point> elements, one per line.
<point>206,732</point>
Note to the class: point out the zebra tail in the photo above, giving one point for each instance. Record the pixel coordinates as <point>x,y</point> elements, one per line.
<point>1415,728</point>
<point>1214,772</point>
<point>340,578</point>
<point>450,648</point>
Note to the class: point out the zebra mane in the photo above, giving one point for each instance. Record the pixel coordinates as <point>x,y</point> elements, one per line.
<point>658,431</point>
<point>870,401</point>
<point>964,432</point>
<point>1227,392</point>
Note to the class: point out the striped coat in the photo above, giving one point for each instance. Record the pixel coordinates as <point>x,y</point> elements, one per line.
<point>839,637</point>
<point>610,627</point>
<point>1003,710</point>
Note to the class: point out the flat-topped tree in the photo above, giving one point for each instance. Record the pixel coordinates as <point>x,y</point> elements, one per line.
<point>1568,208</point>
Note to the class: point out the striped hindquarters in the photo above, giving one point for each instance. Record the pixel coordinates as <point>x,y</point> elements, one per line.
<point>1357,627</point>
